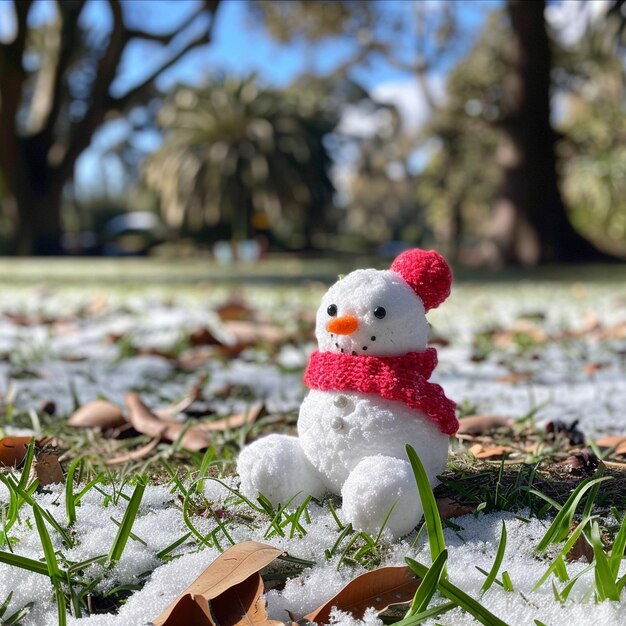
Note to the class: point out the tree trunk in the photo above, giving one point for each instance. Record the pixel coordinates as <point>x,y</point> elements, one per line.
<point>530,223</point>
<point>37,191</point>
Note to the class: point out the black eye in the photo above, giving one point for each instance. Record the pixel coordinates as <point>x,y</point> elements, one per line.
<point>379,312</point>
<point>332,310</point>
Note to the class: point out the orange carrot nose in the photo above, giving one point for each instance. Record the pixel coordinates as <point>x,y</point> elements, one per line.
<point>344,325</point>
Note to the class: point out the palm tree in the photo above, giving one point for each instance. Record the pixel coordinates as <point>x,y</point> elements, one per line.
<point>238,154</point>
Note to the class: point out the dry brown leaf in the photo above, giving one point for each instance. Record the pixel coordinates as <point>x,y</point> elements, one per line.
<point>97,414</point>
<point>194,394</point>
<point>142,418</point>
<point>146,422</point>
<point>137,453</point>
<point>246,333</point>
<point>196,357</point>
<point>580,550</point>
<point>617,331</point>
<point>612,441</point>
<point>233,575</point>
<point>234,309</point>
<point>513,378</point>
<point>48,469</point>
<point>380,589</point>
<point>13,450</point>
<point>482,424</point>
<point>249,416</point>
<point>580,462</point>
<point>489,452</point>
<point>449,508</point>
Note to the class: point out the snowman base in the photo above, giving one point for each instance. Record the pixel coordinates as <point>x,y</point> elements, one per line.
<point>379,490</point>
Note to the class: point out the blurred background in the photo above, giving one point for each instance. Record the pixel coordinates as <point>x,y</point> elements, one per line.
<point>493,131</point>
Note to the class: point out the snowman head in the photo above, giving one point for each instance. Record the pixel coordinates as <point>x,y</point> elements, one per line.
<point>382,312</point>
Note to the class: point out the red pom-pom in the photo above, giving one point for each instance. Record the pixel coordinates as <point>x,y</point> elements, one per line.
<point>427,273</point>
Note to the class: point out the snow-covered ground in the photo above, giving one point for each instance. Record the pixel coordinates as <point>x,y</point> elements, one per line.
<point>577,378</point>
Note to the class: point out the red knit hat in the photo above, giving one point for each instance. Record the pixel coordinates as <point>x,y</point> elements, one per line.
<point>427,273</point>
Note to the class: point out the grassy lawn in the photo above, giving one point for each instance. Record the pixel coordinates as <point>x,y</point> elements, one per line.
<point>138,514</point>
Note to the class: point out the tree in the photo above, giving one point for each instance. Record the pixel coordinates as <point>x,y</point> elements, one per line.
<point>238,154</point>
<point>56,90</point>
<point>509,105</point>
<point>530,222</point>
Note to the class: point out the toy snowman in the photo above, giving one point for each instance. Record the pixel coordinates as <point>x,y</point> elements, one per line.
<point>369,397</point>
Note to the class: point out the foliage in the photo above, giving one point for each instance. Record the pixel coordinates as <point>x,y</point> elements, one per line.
<point>593,147</point>
<point>240,153</point>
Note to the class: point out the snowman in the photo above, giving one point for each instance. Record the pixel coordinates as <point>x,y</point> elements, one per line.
<point>369,397</point>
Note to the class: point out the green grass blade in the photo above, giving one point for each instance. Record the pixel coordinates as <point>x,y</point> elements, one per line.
<point>566,548</point>
<point>459,597</point>
<point>5,605</point>
<point>570,585</point>
<point>26,495</point>
<point>507,583</point>
<point>28,463</point>
<point>495,568</point>
<point>70,499</point>
<point>605,582</point>
<point>51,561</point>
<point>418,618</point>
<point>560,527</point>
<point>18,616</point>
<point>123,532</point>
<point>165,552</point>
<point>428,586</point>
<point>431,512</point>
<point>23,562</point>
<point>617,551</point>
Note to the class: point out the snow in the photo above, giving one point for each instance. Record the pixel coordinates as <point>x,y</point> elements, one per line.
<point>41,363</point>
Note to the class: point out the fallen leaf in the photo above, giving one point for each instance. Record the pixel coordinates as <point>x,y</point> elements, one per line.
<point>449,508</point>
<point>569,430</point>
<point>48,470</point>
<point>380,589</point>
<point>196,357</point>
<point>513,378</point>
<point>594,368</point>
<point>142,418</point>
<point>246,333</point>
<point>249,416</point>
<point>230,588</point>
<point>612,441</point>
<point>483,424</point>
<point>581,550</point>
<point>234,309</point>
<point>581,462</point>
<point>618,331</point>
<point>203,337</point>
<point>13,450</point>
<point>137,453</point>
<point>97,414</point>
<point>194,394</point>
<point>146,422</point>
<point>489,452</point>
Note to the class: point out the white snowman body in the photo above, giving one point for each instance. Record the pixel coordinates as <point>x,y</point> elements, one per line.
<point>352,443</point>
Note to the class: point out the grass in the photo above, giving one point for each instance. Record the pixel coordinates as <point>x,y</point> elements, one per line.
<point>572,508</point>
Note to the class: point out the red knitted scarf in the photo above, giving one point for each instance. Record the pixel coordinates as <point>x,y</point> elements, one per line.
<point>403,378</point>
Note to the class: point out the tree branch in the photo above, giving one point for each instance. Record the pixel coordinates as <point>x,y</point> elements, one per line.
<point>122,102</point>
<point>11,80</point>
<point>166,38</point>
<point>70,11</point>
<point>82,131</point>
